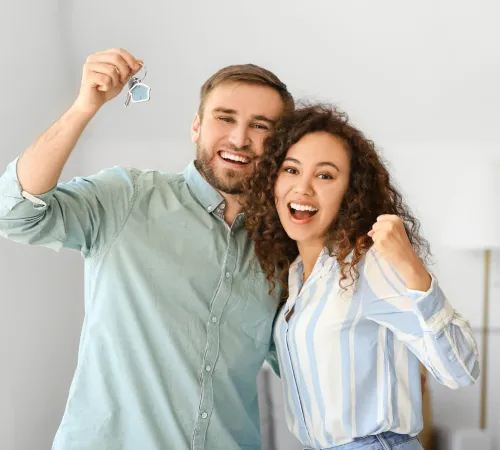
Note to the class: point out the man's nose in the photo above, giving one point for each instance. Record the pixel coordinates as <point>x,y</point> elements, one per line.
<point>239,137</point>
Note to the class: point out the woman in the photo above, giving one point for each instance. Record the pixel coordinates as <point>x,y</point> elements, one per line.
<point>361,307</point>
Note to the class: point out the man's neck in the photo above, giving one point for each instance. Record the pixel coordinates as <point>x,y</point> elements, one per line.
<point>232,206</point>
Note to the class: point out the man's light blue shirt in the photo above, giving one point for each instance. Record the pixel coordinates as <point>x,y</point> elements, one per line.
<point>177,313</point>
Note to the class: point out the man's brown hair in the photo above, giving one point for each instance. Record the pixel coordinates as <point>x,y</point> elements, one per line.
<point>250,74</point>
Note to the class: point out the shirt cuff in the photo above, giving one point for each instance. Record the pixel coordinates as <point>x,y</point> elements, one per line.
<point>432,307</point>
<point>11,193</point>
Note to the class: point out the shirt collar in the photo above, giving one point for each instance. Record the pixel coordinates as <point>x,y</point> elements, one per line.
<point>323,264</point>
<point>323,259</point>
<point>202,190</point>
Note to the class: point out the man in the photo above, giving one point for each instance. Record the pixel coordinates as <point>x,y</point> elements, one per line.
<point>178,317</point>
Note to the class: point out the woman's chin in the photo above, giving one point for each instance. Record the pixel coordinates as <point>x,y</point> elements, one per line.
<point>297,235</point>
<point>306,240</point>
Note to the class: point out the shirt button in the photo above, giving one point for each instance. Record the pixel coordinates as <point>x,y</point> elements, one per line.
<point>209,208</point>
<point>228,275</point>
<point>214,319</point>
<point>208,368</point>
<point>204,415</point>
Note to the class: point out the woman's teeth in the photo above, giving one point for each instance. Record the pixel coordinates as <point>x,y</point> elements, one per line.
<point>302,212</point>
<point>298,207</point>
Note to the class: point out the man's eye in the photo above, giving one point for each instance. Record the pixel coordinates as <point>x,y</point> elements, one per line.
<point>225,119</point>
<point>259,126</point>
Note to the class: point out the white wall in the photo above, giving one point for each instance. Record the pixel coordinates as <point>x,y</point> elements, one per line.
<point>420,78</point>
<point>41,292</point>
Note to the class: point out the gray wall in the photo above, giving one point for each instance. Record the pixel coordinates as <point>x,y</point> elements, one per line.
<point>420,78</point>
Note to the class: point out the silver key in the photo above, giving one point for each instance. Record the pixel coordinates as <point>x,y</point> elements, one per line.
<point>127,100</point>
<point>137,90</point>
<point>131,83</point>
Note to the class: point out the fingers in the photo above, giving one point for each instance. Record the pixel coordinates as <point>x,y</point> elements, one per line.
<point>124,63</point>
<point>140,63</point>
<point>107,61</point>
<point>382,229</point>
<point>133,63</point>
<point>100,81</point>
<point>383,225</point>
<point>111,72</point>
<point>130,60</point>
<point>387,222</point>
<point>388,218</point>
<point>379,234</point>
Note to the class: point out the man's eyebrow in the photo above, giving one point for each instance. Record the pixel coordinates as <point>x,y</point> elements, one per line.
<point>233,112</point>
<point>265,119</point>
<point>224,110</point>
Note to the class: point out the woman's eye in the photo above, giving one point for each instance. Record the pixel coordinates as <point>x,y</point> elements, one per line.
<point>290,170</point>
<point>325,176</point>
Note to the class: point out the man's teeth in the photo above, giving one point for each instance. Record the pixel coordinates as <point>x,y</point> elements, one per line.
<point>298,207</point>
<point>236,158</point>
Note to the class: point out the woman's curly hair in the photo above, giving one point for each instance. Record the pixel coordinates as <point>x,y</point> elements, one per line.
<point>370,193</point>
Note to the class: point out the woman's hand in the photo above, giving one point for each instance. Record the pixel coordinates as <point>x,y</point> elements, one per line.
<point>391,241</point>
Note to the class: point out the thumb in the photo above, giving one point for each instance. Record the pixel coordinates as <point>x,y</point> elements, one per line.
<point>140,65</point>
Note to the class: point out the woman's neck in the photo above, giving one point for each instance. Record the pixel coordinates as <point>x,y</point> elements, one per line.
<point>309,252</point>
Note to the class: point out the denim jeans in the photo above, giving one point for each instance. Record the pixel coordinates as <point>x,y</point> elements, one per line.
<point>383,441</point>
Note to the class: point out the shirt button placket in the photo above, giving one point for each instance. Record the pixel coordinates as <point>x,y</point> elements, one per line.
<point>213,347</point>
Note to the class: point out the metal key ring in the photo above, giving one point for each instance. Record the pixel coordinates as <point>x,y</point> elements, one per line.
<point>145,72</point>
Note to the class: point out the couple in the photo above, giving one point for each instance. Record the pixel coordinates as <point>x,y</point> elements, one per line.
<point>186,274</point>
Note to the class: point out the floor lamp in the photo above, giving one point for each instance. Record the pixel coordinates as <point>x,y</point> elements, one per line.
<point>473,224</point>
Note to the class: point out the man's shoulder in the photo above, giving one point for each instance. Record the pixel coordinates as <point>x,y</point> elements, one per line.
<point>138,185</point>
<point>140,177</point>
<point>153,178</point>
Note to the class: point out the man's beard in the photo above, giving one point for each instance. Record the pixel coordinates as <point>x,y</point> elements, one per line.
<point>234,185</point>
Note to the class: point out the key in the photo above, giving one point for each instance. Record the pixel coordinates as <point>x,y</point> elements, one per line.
<point>131,83</point>
<point>127,100</point>
<point>138,91</point>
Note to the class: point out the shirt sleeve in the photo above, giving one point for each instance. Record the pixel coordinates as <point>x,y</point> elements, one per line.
<point>425,321</point>
<point>84,214</point>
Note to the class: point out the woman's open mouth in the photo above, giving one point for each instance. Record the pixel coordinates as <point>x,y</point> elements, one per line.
<point>302,212</point>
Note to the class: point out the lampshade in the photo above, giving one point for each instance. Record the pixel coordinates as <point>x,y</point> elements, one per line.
<point>472,222</point>
<point>472,215</point>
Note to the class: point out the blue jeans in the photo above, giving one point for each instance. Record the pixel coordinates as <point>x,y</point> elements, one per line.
<point>383,441</point>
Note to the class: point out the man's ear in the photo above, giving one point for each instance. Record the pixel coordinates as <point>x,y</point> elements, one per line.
<point>195,129</point>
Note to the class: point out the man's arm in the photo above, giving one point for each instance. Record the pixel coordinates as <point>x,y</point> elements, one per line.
<point>85,213</point>
<point>104,76</point>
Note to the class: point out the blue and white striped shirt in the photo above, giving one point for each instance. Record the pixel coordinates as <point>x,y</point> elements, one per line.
<point>349,360</point>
